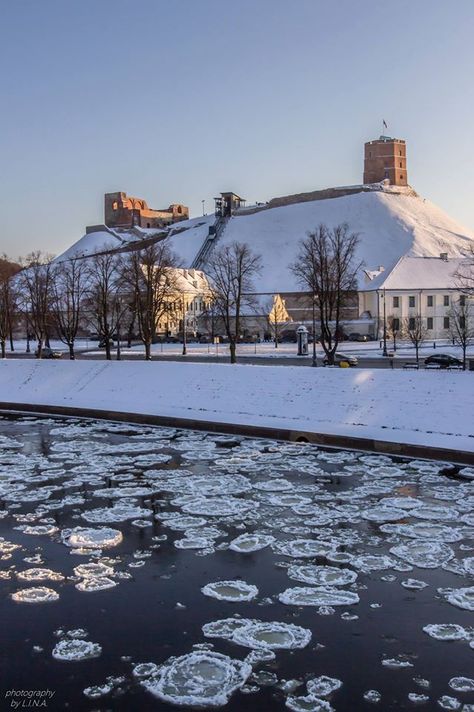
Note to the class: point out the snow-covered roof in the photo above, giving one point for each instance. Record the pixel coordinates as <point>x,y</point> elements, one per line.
<point>419,273</point>
<point>191,281</point>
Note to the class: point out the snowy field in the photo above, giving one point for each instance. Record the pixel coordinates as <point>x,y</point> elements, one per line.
<point>145,568</point>
<point>428,407</point>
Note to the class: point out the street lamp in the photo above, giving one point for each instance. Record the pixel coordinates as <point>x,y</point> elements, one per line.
<point>119,310</point>
<point>314,361</point>
<point>385,352</point>
<point>203,201</point>
<point>184,325</point>
<point>28,350</point>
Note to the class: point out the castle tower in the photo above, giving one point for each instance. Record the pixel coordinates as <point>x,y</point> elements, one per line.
<point>385,158</point>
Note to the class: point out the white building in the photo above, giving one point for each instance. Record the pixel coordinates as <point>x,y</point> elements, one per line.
<point>187,304</point>
<point>424,287</point>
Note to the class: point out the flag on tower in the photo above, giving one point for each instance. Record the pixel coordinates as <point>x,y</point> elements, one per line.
<point>384,124</point>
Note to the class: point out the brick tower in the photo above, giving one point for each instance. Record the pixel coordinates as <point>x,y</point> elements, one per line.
<point>385,158</point>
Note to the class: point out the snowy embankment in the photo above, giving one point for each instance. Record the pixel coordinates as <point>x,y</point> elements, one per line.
<point>421,408</point>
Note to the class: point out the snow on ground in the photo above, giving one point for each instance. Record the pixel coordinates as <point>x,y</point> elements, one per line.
<point>396,406</point>
<point>187,236</point>
<point>92,243</point>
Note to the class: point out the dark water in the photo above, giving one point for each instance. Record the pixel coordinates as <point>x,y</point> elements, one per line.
<point>139,619</point>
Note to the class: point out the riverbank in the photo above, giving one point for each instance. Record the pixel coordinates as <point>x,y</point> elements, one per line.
<point>431,409</point>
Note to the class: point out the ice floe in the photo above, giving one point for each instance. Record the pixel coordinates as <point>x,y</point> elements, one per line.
<point>323,686</point>
<point>462,684</point>
<point>424,554</point>
<point>38,594</point>
<point>76,650</point>
<point>318,596</point>
<point>272,636</point>
<point>230,591</point>
<point>39,574</point>
<point>248,543</point>
<point>84,538</point>
<point>199,679</point>
<point>322,575</point>
<point>462,598</point>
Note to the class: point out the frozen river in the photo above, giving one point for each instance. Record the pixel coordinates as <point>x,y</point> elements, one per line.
<point>145,567</point>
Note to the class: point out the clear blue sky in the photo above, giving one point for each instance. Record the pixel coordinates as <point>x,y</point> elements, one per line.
<point>176,100</point>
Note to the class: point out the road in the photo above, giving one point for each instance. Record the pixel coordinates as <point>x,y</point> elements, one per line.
<point>364,361</point>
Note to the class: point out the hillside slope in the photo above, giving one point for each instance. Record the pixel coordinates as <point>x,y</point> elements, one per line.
<point>390,225</point>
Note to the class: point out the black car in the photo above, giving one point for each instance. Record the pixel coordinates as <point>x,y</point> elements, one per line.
<point>340,357</point>
<point>442,360</point>
<point>49,353</point>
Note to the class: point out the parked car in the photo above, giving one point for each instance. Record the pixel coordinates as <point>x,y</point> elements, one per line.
<point>49,353</point>
<point>339,357</point>
<point>102,343</point>
<point>359,337</point>
<point>287,337</point>
<point>442,360</point>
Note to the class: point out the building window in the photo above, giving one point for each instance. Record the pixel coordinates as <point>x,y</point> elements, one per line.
<point>429,323</point>
<point>411,323</point>
<point>462,322</point>
<point>446,300</point>
<point>401,177</point>
<point>401,166</point>
<point>411,301</point>
<point>396,324</point>
<point>462,300</point>
<point>429,300</point>
<point>446,322</point>
<point>396,302</point>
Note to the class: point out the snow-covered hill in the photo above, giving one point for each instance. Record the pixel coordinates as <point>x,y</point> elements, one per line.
<point>390,225</point>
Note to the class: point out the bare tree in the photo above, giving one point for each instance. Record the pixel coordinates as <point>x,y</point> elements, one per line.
<point>231,272</point>
<point>35,289</point>
<point>102,297</point>
<point>7,302</point>
<point>464,276</point>
<point>151,278</point>
<point>461,324</point>
<point>416,331</point>
<point>277,317</point>
<point>393,328</point>
<point>326,265</point>
<point>69,290</point>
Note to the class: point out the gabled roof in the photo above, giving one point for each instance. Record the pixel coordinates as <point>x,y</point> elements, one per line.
<point>418,273</point>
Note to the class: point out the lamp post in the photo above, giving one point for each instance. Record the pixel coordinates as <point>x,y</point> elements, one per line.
<point>119,310</point>
<point>184,325</point>
<point>385,352</point>
<point>28,349</point>
<point>314,361</point>
<point>203,201</point>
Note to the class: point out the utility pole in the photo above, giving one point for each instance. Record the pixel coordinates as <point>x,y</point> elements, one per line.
<point>184,324</point>
<point>385,352</point>
<point>119,310</point>
<point>314,361</point>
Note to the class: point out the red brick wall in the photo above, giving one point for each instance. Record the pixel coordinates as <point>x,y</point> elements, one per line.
<point>385,159</point>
